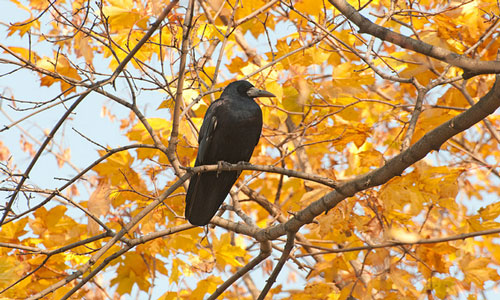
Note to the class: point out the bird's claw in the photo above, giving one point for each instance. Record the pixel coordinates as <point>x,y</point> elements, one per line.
<point>221,164</point>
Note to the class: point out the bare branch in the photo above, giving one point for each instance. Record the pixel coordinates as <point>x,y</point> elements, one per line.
<point>284,257</point>
<point>271,169</point>
<point>172,143</point>
<point>445,239</point>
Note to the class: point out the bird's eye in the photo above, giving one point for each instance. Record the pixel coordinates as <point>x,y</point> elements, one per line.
<point>242,90</point>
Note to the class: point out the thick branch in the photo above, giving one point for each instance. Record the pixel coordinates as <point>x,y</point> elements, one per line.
<point>471,67</point>
<point>394,167</point>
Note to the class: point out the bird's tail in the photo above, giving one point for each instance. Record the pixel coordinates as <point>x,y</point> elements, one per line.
<point>205,195</point>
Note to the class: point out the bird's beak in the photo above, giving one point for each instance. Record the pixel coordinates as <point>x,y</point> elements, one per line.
<point>255,92</point>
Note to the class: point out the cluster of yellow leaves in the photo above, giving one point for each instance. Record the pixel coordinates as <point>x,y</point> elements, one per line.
<point>134,268</point>
<point>402,202</point>
<point>49,230</point>
<point>332,116</point>
<point>59,69</point>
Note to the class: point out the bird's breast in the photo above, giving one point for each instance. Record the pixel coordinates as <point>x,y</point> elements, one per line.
<point>238,131</point>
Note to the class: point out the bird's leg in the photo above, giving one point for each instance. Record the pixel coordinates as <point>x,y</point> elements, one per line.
<point>221,164</point>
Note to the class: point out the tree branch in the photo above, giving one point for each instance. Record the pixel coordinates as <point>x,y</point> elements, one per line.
<point>174,136</point>
<point>393,167</point>
<point>126,228</point>
<point>471,67</point>
<point>270,169</point>
<point>265,251</point>
<point>76,177</point>
<point>457,237</point>
<point>92,87</point>
<point>284,257</point>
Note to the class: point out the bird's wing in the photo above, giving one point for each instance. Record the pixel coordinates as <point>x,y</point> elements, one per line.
<point>207,132</point>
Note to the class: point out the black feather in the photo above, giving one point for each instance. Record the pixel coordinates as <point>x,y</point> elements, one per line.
<point>230,131</point>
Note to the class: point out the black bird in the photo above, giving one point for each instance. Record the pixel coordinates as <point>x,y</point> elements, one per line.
<point>230,131</point>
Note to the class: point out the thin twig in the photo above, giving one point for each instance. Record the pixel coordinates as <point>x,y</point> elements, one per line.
<point>457,237</point>
<point>174,135</point>
<point>265,251</point>
<point>284,257</point>
<point>414,116</point>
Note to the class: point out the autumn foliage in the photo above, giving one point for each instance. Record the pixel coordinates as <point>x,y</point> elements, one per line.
<point>376,176</point>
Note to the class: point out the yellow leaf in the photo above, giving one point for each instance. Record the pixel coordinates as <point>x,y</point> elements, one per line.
<point>402,279</point>
<point>364,159</point>
<point>253,25</point>
<point>293,101</point>
<point>301,58</point>
<point>402,235</point>
<point>179,268</point>
<point>23,27</point>
<point>11,232</point>
<point>38,4</point>
<point>225,253</point>
<point>490,212</point>
<point>443,287</point>
<point>319,290</point>
<point>122,14</point>
<point>124,283</point>
<point>236,65</point>
<point>54,215</point>
<point>183,241</point>
<point>453,97</point>
<point>275,88</point>
<point>398,189</point>
<point>75,258</point>
<point>46,63</point>
<point>271,116</point>
<point>212,31</point>
<point>315,8</point>
<point>348,77</point>
<point>205,286</point>
<point>61,66</point>
<point>371,158</point>
<point>430,119</point>
<point>168,103</point>
<point>132,270</point>
<point>170,296</point>
<point>476,270</point>
<point>10,270</point>
<point>474,223</point>
<point>99,204</point>
<point>27,54</point>
<point>83,47</point>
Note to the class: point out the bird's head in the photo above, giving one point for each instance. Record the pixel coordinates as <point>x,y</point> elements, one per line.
<point>245,89</point>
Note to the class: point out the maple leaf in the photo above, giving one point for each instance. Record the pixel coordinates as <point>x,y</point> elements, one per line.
<point>359,105</point>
